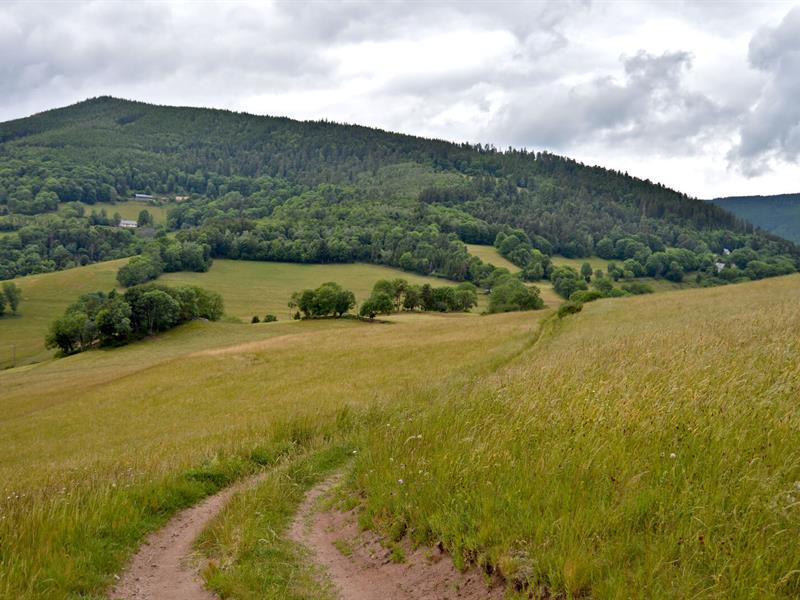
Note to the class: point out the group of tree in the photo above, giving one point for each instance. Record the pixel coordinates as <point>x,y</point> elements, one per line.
<point>275,189</point>
<point>164,255</point>
<point>398,294</point>
<point>100,319</point>
<point>10,296</point>
<point>328,300</point>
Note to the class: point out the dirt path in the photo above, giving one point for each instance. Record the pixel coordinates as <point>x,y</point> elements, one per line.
<point>166,567</point>
<point>360,568</point>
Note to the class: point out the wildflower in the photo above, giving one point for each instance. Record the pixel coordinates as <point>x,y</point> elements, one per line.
<point>673,455</point>
<point>400,481</point>
<point>355,451</point>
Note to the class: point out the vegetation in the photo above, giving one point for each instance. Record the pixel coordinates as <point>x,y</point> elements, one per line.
<point>174,420</point>
<point>263,188</point>
<point>10,296</point>
<point>779,215</point>
<point>100,319</point>
<point>168,255</point>
<point>634,447</point>
<point>328,300</point>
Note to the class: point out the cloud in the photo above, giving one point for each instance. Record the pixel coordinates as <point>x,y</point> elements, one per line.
<point>650,108</point>
<point>770,130</point>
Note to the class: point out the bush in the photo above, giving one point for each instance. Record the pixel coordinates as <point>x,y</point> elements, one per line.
<point>569,308</point>
<point>139,270</point>
<point>511,294</point>
<point>270,318</point>
<point>255,319</point>
<point>583,296</point>
<point>636,288</point>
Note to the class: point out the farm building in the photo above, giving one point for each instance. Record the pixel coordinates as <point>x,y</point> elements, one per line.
<point>143,197</point>
<point>127,224</point>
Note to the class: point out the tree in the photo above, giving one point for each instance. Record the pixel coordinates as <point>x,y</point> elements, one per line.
<point>378,303</point>
<point>145,218</point>
<point>566,280</point>
<point>113,321</point>
<point>255,319</point>
<point>73,332</point>
<point>511,294</point>
<point>2,305</point>
<point>140,269</point>
<point>412,298</point>
<point>12,295</point>
<point>586,272</point>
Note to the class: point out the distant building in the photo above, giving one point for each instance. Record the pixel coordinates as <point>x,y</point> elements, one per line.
<point>725,251</point>
<point>720,266</point>
<point>181,198</point>
<point>143,197</point>
<point>127,224</point>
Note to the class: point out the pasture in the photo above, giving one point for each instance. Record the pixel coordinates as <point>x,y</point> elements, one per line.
<point>127,209</point>
<point>104,445</point>
<point>248,288</point>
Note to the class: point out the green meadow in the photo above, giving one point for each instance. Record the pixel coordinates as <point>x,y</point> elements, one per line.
<point>128,209</point>
<point>248,288</point>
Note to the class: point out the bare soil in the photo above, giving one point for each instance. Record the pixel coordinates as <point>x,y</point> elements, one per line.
<point>360,567</point>
<point>166,566</point>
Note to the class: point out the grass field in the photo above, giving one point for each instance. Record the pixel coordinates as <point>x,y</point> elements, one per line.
<point>257,288</point>
<point>103,446</point>
<point>647,447</point>
<point>129,209</point>
<point>248,288</point>
<point>44,297</point>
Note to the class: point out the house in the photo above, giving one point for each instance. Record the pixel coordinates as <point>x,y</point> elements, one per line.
<point>181,198</point>
<point>127,224</point>
<point>719,265</point>
<point>143,197</point>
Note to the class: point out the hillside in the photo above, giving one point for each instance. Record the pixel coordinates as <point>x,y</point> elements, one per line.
<point>664,461</point>
<point>265,188</point>
<point>780,214</point>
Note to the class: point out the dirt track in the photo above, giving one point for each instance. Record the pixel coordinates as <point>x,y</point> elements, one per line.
<point>165,567</point>
<point>368,573</point>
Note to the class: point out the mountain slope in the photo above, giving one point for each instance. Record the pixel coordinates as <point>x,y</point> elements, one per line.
<point>269,188</point>
<point>780,214</point>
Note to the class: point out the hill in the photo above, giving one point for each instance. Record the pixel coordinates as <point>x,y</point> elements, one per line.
<point>269,188</point>
<point>780,214</point>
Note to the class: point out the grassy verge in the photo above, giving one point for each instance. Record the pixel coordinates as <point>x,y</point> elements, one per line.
<point>251,558</point>
<point>651,448</point>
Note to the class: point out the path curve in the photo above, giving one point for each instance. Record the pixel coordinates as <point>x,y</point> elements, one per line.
<point>166,566</point>
<point>367,573</point>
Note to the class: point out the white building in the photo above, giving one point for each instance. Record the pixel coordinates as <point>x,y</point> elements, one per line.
<point>127,224</point>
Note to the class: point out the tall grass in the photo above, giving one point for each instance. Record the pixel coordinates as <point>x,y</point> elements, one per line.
<point>648,447</point>
<point>100,448</point>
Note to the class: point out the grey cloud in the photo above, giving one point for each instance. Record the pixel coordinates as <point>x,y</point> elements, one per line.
<point>651,108</point>
<point>770,131</point>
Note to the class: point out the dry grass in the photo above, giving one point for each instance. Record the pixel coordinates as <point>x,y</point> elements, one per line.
<point>650,448</point>
<point>92,441</point>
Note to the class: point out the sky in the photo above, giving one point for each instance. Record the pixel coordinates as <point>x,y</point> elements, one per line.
<point>701,96</point>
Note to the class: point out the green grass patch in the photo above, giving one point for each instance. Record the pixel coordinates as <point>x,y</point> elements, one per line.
<point>128,209</point>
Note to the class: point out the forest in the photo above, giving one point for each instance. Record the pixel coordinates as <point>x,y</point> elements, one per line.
<point>265,188</point>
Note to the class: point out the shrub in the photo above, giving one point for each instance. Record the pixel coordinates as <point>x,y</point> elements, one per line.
<point>255,319</point>
<point>511,294</point>
<point>636,288</point>
<point>270,318</point>
<point>583,296</point>
<point>569,308</point>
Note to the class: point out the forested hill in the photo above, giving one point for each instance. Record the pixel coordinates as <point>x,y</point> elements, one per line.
<point>266,188</point>
<point>778,214</point>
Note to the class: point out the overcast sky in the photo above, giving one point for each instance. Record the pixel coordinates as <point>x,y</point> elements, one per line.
<point>704,97</point>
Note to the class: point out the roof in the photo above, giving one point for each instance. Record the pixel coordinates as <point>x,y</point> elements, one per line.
<point>127,223</point>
